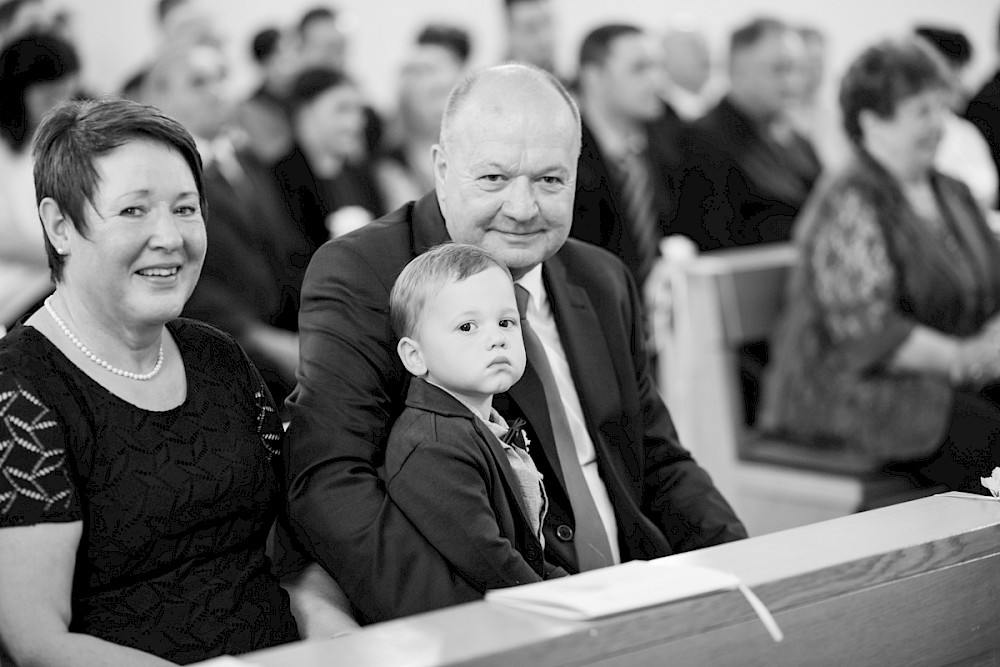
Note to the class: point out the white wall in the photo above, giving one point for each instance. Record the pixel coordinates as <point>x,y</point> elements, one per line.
<point>115,36</point>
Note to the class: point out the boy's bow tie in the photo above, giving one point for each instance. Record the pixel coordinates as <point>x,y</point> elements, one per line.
<point>515,435</point>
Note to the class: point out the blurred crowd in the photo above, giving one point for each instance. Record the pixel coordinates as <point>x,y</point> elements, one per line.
<point>305,157</point>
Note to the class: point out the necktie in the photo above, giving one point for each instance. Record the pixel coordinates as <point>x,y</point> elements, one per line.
<point>637,198</point>
<point>592,548</point>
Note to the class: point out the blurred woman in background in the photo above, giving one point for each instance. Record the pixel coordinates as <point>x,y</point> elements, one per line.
<point>890,343</point>
<point>326,180</point>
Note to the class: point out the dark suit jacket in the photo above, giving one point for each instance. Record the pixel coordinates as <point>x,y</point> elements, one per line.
<point>984,111</point>
<point>256,257</point>
<point>600,216</point>
<point>449,475</point>
<point>352,387</point>
<point>739,188</point>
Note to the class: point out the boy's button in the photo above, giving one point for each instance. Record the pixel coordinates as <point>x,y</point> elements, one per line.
<point>532,553</point>
<point>564,533</point>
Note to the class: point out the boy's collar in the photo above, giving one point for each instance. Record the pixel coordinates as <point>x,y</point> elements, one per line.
<point>457,398</point>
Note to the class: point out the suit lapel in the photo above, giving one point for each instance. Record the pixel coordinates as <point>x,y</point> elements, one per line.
<point>584,343</point>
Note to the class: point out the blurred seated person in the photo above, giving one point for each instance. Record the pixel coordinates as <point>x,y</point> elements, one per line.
<point>327,191</point>
<point>186,22</point>
<point>437,62</point>
<point>889,343</point>
<point>814,112</point>
<point>37,71</point>
<point>963,153</point>
<point>531,33</point>
<point>687,65</point>
<point>22,17</point>
<point>263,118</point>
<point>625,180</point>
<point>256,254</point>
<point>746,170</point>
<point>18,17</point>
<point>142,471</point>
<point>323,40</point>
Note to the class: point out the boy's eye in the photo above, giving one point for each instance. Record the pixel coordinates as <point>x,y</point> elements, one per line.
<point>508,323</point>
<point>466,326</point>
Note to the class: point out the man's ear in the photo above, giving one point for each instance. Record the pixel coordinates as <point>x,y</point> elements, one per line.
<point>55,224</point>
<point>440,163</point>
<point>409,353</point>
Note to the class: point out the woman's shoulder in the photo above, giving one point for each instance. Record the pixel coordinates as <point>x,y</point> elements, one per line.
<point>199,337</point>
<point>26,356</point>
<point>206,348</point>
<point>221,367</point>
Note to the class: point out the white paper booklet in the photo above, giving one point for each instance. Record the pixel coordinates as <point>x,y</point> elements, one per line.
<point>627,587</point>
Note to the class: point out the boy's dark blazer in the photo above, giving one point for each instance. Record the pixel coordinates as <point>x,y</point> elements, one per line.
<point>449,475</point>
<point>352,386</point>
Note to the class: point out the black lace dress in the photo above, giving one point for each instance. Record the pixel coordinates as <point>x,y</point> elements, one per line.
<point>176,505</point>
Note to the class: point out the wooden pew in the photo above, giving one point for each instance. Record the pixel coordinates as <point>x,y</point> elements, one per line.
<point>720,301</point>
<point>912,584</point>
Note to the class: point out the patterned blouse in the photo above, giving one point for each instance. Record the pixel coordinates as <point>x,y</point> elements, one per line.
<point>176,505</point>
<point>871,269</point>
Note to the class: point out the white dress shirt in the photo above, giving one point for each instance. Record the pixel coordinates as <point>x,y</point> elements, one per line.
<point>539,314</point>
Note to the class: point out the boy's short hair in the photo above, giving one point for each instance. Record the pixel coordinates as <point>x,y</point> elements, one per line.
<point>427,274</point>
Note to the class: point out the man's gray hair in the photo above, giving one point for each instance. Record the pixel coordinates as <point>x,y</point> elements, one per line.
<point>461,92</point>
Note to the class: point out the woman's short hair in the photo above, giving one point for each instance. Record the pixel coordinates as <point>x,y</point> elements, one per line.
<point>28,60</point>
<point>427,274</point>
<point>74,134</point>
<point>313,82</point>
<point>885,74</point>
<point>449,37</point>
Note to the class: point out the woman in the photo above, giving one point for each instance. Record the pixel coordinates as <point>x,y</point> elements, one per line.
<point>37,71</point>
<point>889,344</point>
<point>142,469</point>
<point>328,188</point>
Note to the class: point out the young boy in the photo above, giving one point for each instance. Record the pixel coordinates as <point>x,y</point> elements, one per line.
<point>453,466</point>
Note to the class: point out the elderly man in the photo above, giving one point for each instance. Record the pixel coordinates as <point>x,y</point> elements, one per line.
<point>747,171</point>
<point>504,180</point>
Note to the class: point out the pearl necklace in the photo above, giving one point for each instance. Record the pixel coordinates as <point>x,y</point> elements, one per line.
<point>142,377</point>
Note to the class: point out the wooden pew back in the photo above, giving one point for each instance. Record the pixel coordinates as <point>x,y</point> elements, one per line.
<point>914,583</point>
